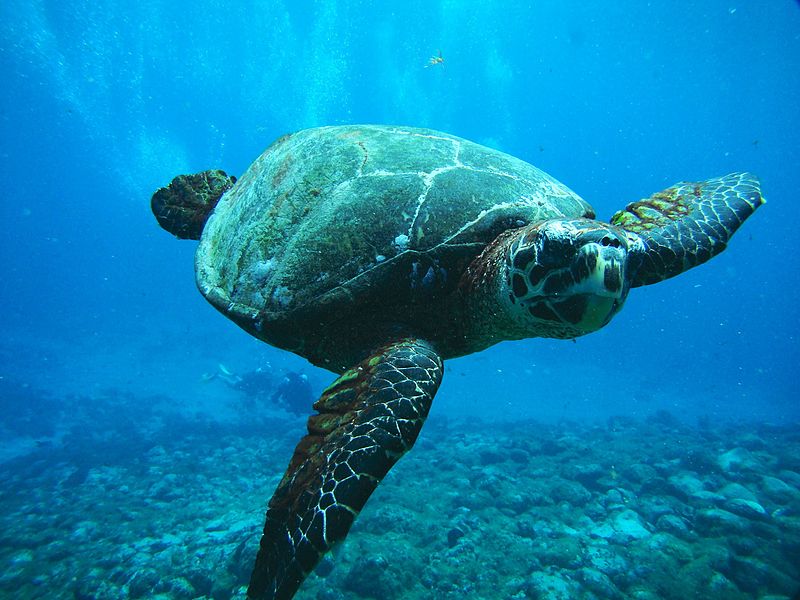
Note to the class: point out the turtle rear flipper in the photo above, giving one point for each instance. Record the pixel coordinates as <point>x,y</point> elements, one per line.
<point>687,224</point>
<point>368,418</point>
<point>183,207</point>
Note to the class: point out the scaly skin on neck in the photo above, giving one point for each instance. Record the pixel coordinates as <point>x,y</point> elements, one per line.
<point>483,318</point>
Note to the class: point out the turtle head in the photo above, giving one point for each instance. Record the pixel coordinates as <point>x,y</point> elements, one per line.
<point>567,277</point>
<point>183,207</point>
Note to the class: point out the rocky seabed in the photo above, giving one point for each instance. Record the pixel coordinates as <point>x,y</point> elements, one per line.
<point>648,509</point>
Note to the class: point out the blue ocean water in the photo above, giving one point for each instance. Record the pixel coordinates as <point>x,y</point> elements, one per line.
<point>104,102</point>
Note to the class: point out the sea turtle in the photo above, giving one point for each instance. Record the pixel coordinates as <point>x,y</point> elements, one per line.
<point>377,252</point>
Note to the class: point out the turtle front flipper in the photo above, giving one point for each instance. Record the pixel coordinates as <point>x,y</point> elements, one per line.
<point>368,418</point>
<point>687,224</point>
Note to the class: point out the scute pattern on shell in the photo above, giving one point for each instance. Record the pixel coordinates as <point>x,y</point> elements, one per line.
<point>320,213</point>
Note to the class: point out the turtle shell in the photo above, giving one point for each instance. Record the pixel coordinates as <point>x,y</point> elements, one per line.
<point>335,224</point>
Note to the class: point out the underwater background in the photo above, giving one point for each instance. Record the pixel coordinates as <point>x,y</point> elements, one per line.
<point>141,433</point>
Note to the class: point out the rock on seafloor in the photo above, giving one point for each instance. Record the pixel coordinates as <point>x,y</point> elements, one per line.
<point>646,510</point>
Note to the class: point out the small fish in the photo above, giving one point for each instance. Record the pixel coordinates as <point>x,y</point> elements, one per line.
<point>435,60</point>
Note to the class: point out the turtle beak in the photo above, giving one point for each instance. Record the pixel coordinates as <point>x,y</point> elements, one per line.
<point>599,273</point>
<point>599,270</point>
